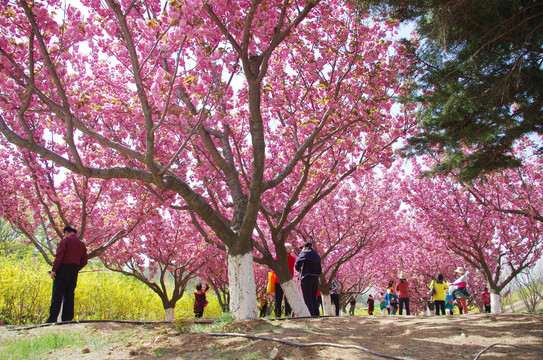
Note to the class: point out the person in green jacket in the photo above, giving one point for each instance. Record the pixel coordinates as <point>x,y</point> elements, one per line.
<point>438,289</point>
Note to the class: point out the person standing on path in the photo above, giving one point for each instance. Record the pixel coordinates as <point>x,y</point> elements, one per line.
<point>460,287</point>
<point>334,295</point>
<point>352,304</point>
<point>485,296</point>
<point>200,300</point>
<point>392,299</point>
<point>439,290</point>
<point>370,304</point>
<point>70,258</point>
<point>402,288</point>
<point>308,264</point>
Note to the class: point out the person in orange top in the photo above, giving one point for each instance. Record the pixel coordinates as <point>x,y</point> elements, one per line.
<point>402,288</point>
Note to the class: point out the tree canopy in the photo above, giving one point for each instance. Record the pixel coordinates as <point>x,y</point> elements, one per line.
<point>481,82</point>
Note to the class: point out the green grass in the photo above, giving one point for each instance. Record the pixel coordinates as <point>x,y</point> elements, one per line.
<point>39,346</point>
<point>222,324</point>
<point>160,352</point>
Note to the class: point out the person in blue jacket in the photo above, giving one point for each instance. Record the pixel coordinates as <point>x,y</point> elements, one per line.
<point>308,264</point>
<point>391,299</point>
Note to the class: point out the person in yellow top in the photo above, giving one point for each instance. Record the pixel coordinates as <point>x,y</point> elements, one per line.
<point>439,289</point>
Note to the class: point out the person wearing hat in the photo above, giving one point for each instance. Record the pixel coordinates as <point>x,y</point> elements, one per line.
<point>71,257</point>
<point>460,290</point>
<point>402,288</point>
<point>308,264</point>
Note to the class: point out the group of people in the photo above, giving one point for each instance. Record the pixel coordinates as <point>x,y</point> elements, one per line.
<point>394,300</point>
<point>308,264</point>
<point>396,297</point>
<point>443,295</point>
<point>71,257</point>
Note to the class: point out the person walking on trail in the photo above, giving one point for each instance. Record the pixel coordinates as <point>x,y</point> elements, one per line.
<point>308,264</point>
<point>391,298</point>
<point>383,304</point>
<point>402,288</point>
<point>334,295</point>
<point>439,289</point>
<point>460,289</point>
<point>70,258</point>
<point>371,302</point>
<point>352,304</point>
<point>200,300</point>
<point>485,296</point>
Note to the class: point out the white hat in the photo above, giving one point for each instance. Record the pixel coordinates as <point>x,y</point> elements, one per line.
<point>402,276</point>
<point>460,270</point>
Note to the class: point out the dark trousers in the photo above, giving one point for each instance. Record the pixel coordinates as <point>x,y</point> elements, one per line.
<point>63,289</point>
<point>335,301</point>
<point>263,311</point>
<point>310,287</point>
<point>487,309</point>
<point>404,302</point>
<point>279,301</point>
<point>440,307</point>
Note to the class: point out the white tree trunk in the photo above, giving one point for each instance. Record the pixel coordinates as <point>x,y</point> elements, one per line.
<point>169,314</point>
<point>328,309</point>
<point>241,280</point>
<point>295,299</point>
<point>495,303</point>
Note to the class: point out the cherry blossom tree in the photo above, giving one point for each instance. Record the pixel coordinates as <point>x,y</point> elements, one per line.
<point>165,254</point>
<point>223,105</point>
<point>523,195</point>
<point>38,202</point>
<point>217,278</point>
<point>350,226</point>
<point>498,245</point>
<point>419,253</point>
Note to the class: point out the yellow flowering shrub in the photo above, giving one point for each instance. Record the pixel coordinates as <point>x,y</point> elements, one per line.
<point>25,295</point>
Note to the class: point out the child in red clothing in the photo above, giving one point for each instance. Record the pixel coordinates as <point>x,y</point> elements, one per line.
<point>371,303</point>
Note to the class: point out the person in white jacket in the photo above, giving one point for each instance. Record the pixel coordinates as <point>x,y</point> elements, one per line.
<point>460,291</point>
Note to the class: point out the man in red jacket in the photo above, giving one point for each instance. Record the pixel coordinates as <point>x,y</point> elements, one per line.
<point>70,258</point>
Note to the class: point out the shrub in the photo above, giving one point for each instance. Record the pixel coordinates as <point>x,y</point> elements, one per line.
<point>25,295</point>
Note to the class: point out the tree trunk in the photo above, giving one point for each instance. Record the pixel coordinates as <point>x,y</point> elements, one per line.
<point>169,314</point>
<point>328,309</point>
<point>241,278</point>
<point>495,303</point>
<point>295,299</point>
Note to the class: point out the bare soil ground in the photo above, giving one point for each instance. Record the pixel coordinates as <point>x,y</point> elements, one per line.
<point>414,337</point>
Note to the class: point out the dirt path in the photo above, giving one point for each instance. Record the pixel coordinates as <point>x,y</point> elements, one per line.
<point>457,337</point>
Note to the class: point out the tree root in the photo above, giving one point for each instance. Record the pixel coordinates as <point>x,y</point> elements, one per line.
<point>89,321</point>
<point>515,346</point>
<point>295,343</point>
